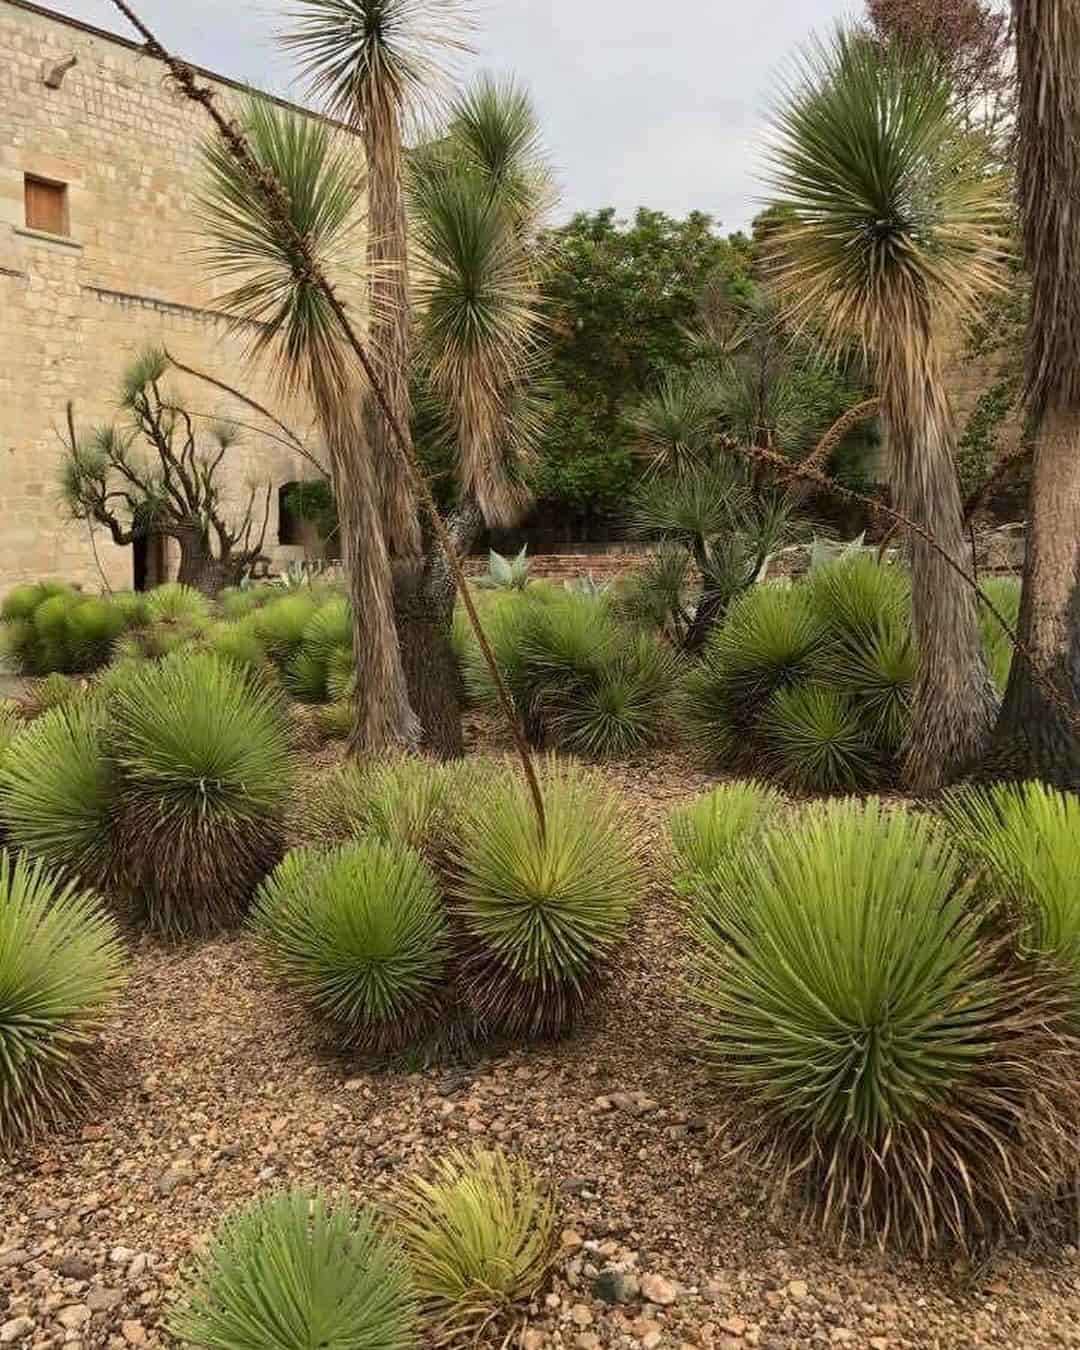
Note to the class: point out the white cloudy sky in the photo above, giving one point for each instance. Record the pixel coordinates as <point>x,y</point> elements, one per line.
<point>645,102</point>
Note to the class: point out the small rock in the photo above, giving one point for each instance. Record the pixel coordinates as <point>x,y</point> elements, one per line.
<point>652,1339</point>
<point>133,1332</point>
<point>734,1326</point>
<point>575,1185</point>
<point>879,1343</point>
<point>532,1340</point>
<point>75,1268</point>
<point>658,1290</point>
<point>138,1267</point>
<point>581,1315</point>
<point>613,1285</point>
<point>174,1178</point>
<point>16,1330</point>
<point>842,1336</point>
<point>571,1240</point>
<point>103,1300</point>
<point>588,1340</point>
<point>74,1315</point>
<point>121,1256</point>
<point>798,1291</point>
<point>17,1256</point>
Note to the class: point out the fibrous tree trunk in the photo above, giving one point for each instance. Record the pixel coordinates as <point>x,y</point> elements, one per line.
<point>954,704</point>
<point>424,602</point>
<point>384,720</point>
<point>1036,736</point>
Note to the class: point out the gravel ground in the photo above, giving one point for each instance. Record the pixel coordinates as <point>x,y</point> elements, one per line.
<point>224,1090</point>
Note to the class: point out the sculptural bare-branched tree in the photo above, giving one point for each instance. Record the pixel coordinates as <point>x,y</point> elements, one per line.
<point>891,230</point>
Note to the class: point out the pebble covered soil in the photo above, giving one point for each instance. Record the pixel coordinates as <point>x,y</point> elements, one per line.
<point>224,1090</point>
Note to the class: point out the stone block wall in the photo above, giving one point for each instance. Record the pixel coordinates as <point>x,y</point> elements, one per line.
<point>75,309</point>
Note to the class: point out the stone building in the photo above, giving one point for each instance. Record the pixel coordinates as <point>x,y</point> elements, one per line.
<point>98,171</point>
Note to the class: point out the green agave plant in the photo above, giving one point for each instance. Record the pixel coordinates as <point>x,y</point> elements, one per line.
<point>817,741</point>
<point>541,916</point>
<point>1027,838</point>
<point>179,604</point>
<point>857,595</point>
<point>707,833</point>
<point>480,1237</point>
<point>204,767</point>
<point>884,1059</point>
<point>876,671</point>
<point>361,935</point>
<point>62,966</point>
<point>294,1270</point>
<point>56,789</point>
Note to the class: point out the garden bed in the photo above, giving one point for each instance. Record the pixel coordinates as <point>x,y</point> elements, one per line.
<point>224,1090</point>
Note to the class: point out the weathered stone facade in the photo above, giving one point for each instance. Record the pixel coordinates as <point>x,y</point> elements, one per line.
<point>74,310</point>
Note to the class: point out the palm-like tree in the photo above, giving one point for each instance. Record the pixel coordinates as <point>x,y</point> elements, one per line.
<point>1039,733</point>
<point>377,65</point>
<point>890,232</point>
<point>291,324</point>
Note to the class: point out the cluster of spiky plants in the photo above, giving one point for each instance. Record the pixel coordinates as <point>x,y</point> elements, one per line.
<point>707,832</point>
<point>813,680</point>
<point>50,627</point>
<point>582,681</point>
<point>360,934</point>
<point>298,1269</point>
<point>541,914</point>
<point>61,967</point>
<point>888,1060</point>
<point>1026,838</point>
<point>480,1237</point>
<point>1004,594</point>
<point>171,617</point>
<point>203,765</point>
<point>56,791</point>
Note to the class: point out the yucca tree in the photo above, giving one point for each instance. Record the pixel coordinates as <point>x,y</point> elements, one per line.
<point>377,65</point>
<point>299,335</point>
<point>1039,733</point>
<point>890,233</point>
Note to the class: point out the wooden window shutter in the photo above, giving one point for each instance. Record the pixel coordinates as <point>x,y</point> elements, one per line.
<point>46,206</point>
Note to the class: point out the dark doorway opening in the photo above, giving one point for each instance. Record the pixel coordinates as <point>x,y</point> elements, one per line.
<point>148,562</point>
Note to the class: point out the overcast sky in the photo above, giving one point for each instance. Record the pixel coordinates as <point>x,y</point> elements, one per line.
<point>644,102</point>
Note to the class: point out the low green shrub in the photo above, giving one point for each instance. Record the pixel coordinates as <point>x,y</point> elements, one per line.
<point>237,643</point>
<point>582,681</point>
<point>884,1059</point>
<point>296,1270</point>
<point>1004,594</point>
<point>480,1238</point>
<point>177,604</point>
<point>360,934</point>
<point>62,966</point>
<point>280,625</point>
<point>1026,836</point>
<point>51,628</point>
<point>709,831</point>
<point>541,915</point>
<point>204,764</point>
<point>56,792</point>
<point>817,741</point>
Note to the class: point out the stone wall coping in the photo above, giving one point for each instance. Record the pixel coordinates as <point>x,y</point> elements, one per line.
<point>45,237</point>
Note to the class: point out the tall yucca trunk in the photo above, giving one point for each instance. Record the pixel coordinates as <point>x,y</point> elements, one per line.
<point>954,700</point>
<point>384,718</point>
<point>390,320</point>
<point>1036,735</point>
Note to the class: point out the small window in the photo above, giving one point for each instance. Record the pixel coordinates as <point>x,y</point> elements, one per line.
<point>46,205</point>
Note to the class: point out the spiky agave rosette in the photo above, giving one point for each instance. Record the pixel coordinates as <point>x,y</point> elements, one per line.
<point>204,765</point>
<point>61,966</point>
<point>888,1062</point>
<point>359,933</point>
<point>295,1269</point>
<point>480,1238</point>
<point>541,917</point>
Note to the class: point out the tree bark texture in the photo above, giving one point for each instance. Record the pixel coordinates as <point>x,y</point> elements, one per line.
<point>954,704</point>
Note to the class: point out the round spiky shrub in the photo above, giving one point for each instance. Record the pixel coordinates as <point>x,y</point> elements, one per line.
<point>295,1270</point>
<point>280,625</point>
<point>238,643</point>
<point>204,766</point>
<point>237,602</point>
<point>341,675</point>
<point>707,832</point>
<point>56,792</point>
<point>883,1058</point>
<point>876,671</point>
<point>768,641</point>
<point>335,721</point>
<point>542,914</point>
<point>22,601</point>
<point>817,740</point>
<point>858,595</point>
<point>1027,837</point>
<point>92,628</point>
<point>54,691</point>
<point>61,967</point>
<point>361,935</point>
<point>480,1238</point>
<point>178,604</point>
